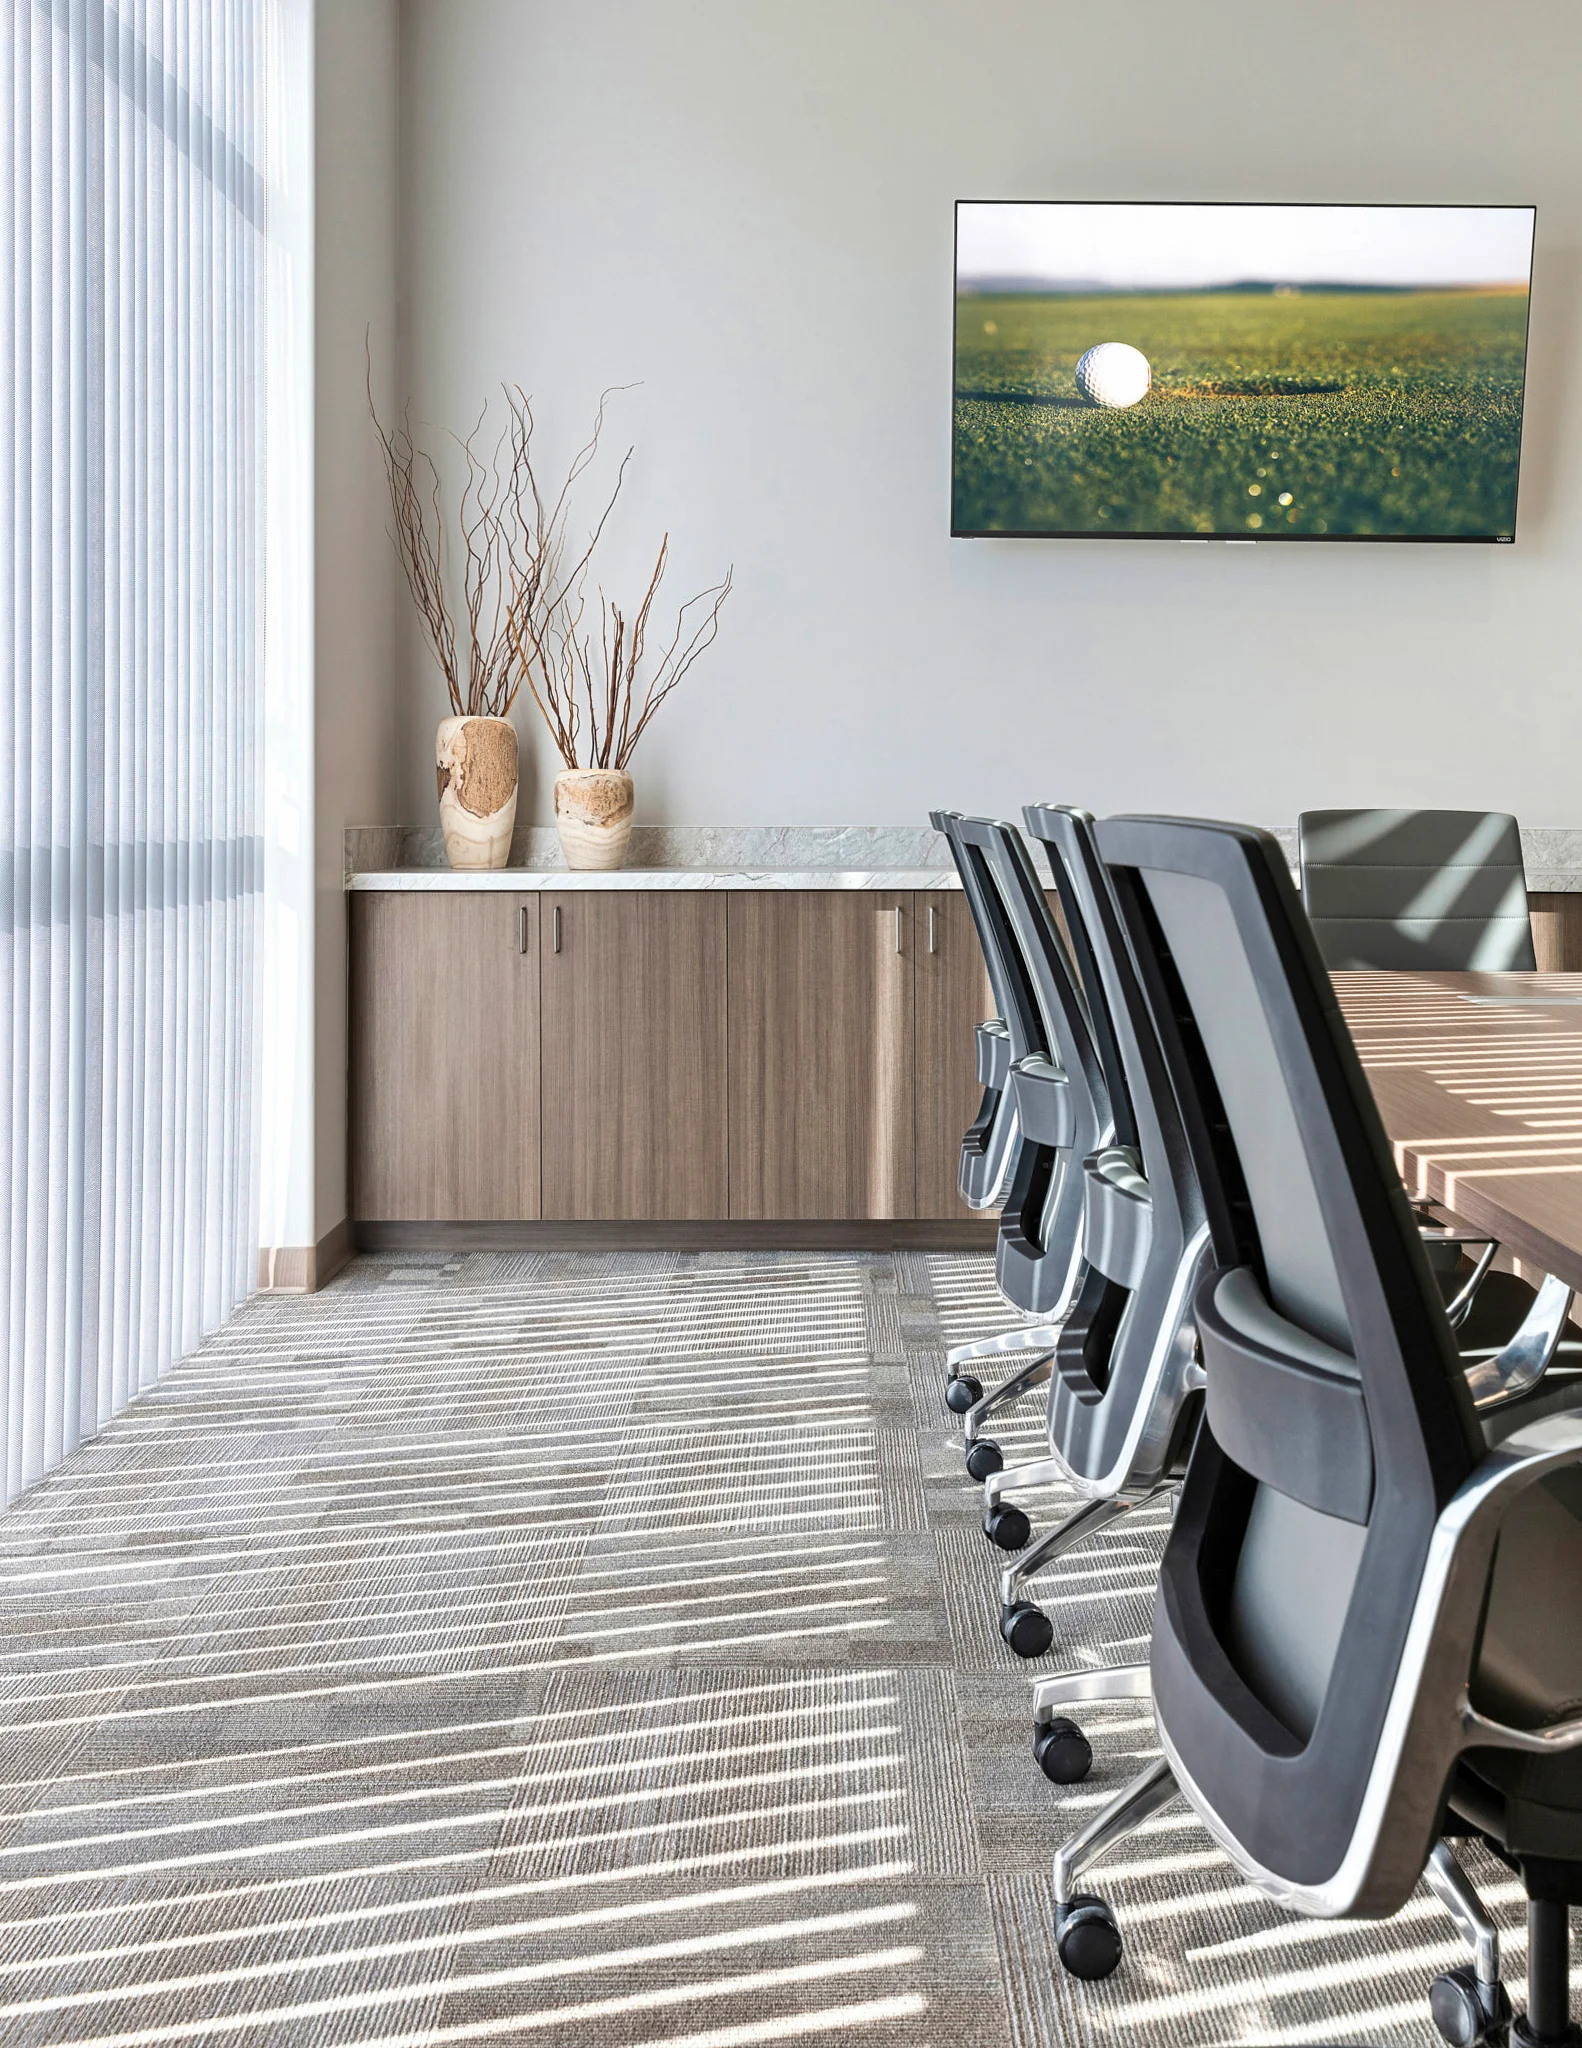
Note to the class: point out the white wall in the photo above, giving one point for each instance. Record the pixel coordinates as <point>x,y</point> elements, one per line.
<point>356,705</point>
<point>746,205</point>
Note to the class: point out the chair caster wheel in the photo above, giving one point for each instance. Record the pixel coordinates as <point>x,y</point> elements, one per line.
<point>984,1458</point>
<point>1007,1528</point>
<point>1027,1630</point>
<point>1466,2012</point>
<point>1087,1939</point>
<point>963,1392</point>
<point>1062,1749</point>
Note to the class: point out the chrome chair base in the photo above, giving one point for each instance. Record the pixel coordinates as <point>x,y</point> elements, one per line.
<point>1087,1938</point>
<point>1469,2007</point>
<point>1082,1523</point>
<point>966,1395</point>
<point>1025,1337</point>
<point>1059,1744</point>
<point>1086,1935</point>
<point>1024,1627</point>
<point>985,1458</point>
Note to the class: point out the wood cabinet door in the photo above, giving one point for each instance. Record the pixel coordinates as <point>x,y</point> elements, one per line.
<point>634,1055</point>
<point>821,1078</point>
<point>953,998</point>
<point>444,1056</point>
<point>1557,932</point>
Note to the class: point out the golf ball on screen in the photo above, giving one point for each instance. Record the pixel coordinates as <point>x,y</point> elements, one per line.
<point>1114,374</point>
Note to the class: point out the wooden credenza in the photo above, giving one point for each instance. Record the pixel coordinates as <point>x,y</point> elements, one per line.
<point>673,1066</point>
<point>797,1064</point>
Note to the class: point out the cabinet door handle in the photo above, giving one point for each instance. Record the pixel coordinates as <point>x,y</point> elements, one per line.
<point>521,929</point>
<point>898,927</point>
<point>931,946</point>
<point>557,927</point>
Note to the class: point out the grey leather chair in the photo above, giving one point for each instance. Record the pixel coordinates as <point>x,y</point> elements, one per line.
<point>1425,889</point>
<point>1124,1398</point>
<point>1061,1111</point>
<point>1367,1639</point>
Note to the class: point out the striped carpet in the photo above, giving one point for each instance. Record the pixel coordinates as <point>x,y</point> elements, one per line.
<point>589,1650</point>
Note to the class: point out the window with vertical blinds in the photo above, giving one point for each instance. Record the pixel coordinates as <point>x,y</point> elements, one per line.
<point>131,311</point>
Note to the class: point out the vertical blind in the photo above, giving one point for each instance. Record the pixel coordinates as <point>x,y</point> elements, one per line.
<point>131,313</point>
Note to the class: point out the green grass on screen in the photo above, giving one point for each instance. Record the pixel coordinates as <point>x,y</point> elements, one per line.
<point>1311,412</point>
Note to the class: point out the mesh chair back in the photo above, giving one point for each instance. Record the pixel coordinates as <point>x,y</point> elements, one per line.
<point>1337,1420</point>
<point>1120,1412</point>
<point>1063,1105</point>
<point>989,1141</point>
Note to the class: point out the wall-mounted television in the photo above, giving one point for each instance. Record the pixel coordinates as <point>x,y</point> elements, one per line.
<point>1239,372</point>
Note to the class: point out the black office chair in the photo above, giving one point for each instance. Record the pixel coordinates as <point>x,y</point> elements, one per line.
<point>1424,889</point>
<point>1368,1633</point>
<point>988,1148</point>
<point>1124,1397</point>
<point>1061,1113</point>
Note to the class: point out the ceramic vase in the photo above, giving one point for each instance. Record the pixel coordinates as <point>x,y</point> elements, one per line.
<point>476,761</point>
<point>593,813</point>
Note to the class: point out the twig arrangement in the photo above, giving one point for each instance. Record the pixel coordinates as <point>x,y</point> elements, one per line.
<point>521,606</point>
<point>603,674</point>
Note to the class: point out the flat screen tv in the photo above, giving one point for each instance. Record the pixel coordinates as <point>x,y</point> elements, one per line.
<point>1239,372</point>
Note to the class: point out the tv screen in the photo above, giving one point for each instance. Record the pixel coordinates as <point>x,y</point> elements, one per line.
<point>1239,372</point>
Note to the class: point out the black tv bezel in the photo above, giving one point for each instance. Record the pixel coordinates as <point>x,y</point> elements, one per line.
<point>1475,540</point>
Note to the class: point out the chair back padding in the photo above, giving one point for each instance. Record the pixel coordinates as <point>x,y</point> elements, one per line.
<point>988,1141</point>
<point>1120,1411</point>
<point>1063,1105</point>
<point>1424,889</point>
<point>1337,1420</point>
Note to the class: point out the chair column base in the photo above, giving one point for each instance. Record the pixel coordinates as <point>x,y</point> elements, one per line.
<point>1547,2020</point>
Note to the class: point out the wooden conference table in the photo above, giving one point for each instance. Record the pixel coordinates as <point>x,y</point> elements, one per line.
<point>1479,1080</point>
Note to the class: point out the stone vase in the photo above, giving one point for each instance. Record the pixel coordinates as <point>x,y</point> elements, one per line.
<point>593,813</point>
<point>477,765</point>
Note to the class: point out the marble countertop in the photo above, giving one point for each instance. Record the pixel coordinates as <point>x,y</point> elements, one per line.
<point>773,857</point>
<point>1556,882</point>
<point>532,880</point>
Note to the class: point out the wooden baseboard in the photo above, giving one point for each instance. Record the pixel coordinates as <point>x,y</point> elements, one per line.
<point>333,1250</point>
<point>305,1268</point>
<point>971,1233</point>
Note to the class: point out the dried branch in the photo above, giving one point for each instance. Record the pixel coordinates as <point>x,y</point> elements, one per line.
<point>544,611</point>
<point>608,670</point>
<point>419,537</point>
<point>497,536</point>
<point>677,659</point>
<point>520,591</point>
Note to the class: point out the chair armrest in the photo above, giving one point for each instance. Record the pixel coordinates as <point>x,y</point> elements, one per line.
<point>1043,1101</point>
<point>994,1055</point>
<point>1479,1732</point>
<point>1460,1307</point>
<point>1518,1368</point>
